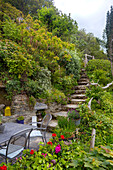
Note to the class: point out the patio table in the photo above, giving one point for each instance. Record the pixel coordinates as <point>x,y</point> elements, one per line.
<point>12,128</point>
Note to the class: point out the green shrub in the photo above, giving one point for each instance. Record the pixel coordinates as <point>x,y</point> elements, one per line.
<point>72,65</point>
<point>99,71</point>
<point>54,95</point>
<point>98,65</point>
<point>57,155</point>
<point>107,102</point>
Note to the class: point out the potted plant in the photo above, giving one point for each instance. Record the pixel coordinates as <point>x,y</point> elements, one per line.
<point>74,115</point>
<point>66,128</point>
<point>2,127</point>
<point>20,120</point>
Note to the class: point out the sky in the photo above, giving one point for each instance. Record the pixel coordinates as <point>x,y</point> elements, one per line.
<point>89,14</point>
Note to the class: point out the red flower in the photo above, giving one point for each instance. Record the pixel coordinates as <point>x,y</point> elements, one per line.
<point>54,134</point>
<point>62,136</point>
<point>32,152</point>
<point>3,167</point>
<point>49,143</point>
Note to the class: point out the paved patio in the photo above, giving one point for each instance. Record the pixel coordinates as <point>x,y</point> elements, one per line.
<point>33,143</point>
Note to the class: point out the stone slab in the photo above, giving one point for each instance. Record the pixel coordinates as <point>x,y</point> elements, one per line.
<point>52,125</point>
<point>77,101</point>
<point>70,106</point>
<point>62,114</point>
<point>80,91</point>
<point>78,96</point>
<point>81,87</point>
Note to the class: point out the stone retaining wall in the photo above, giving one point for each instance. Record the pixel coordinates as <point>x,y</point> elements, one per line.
<point>20,107</point>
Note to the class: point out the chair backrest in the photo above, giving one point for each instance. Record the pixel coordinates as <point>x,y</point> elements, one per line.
<point>47,118</point>
<point>34,120</point>
<point>16,136</point>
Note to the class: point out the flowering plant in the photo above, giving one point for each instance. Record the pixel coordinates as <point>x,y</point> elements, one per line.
<point>3,167</point>
<point>73,114</point>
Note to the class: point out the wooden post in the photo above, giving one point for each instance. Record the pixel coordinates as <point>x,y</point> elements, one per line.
<point>92,139</point>
<point>77,133</point>
<point>86,60</point>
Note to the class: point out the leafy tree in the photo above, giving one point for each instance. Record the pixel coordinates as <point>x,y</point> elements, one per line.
<point>59,24</point>
<point>29,6</point>
<point>88,44</point>
<point>109,35</point>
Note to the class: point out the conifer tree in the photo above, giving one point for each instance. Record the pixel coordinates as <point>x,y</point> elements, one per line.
<point>109,35</point>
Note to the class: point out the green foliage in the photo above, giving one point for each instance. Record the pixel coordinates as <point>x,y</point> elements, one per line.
<point>54,95</point>
<point>99,71</point>
<point>15,59</point>
<point>13,87</point>
<point>107,102</point>
<point>73,114</point>
<point>40,84</point>
<point>101,121</point>
<point>29,6</point>
<point>59,24</point>
<point>32,102</point>
<point>88,44</point>
<point>57,155</point>
<point>99,158</point>
<point>71,62</point>
<point>64,83</point>
<point>109,34</point>
<point>98,64</point>
<point>20,118</point>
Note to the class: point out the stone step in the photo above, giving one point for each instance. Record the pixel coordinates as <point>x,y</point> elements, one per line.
<point>84,76</point>
<point>78,96</point>
<point>52,125</point>
<point>82,83</point>
<point>61,114</point>
<point>80,87</point>
<point>83,70</point>
<point>70,106</point>
<point>80,91</point>
<point>77,101</point>
<point>84,79</point>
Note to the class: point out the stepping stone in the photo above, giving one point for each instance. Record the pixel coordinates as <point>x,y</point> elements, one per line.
<point>80,87</point>
<point>70,106</point>
<point>84,76</point>
<point>84,79</point>
<point>62,114</point>
<point>83,70</point>
<point>77,101</point>
<point>78,96</point>
<point>80,91</point>
<point>82,83</point>
<point>52,125</point>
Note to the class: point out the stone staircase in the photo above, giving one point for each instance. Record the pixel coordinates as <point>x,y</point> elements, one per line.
<point>77,98</point>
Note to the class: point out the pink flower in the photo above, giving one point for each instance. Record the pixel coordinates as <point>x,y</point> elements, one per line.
<point>57,149</point>
<point>44,155</point>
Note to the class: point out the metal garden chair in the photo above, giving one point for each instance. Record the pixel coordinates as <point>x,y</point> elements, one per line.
<point>14,149</point>
<point>40,131</point>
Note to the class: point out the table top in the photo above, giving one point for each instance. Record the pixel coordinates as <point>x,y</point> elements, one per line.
<point>12,128</point>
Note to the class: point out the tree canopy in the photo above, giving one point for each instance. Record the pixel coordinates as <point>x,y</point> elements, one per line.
<point>109,35</point>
